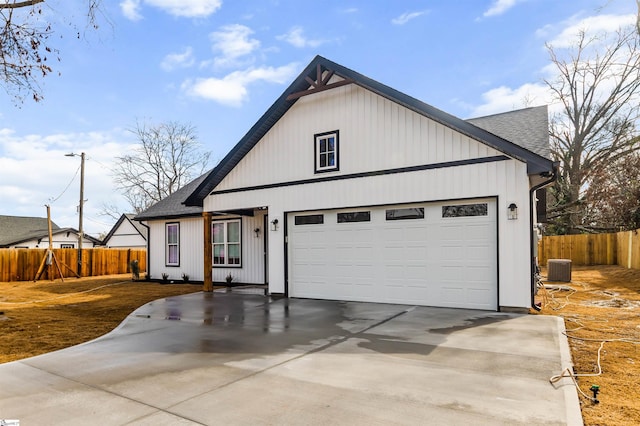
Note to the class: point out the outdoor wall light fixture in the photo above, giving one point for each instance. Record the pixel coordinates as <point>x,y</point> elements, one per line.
<point>512,212</point>
<point>257,232</point>
<point>274,225</point>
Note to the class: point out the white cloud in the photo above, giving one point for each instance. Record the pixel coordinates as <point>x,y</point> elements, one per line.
<point>406,17</point>
<point>296,38</point>
<point>232,89</point>
<point>34,171</point>
<point>181,8</point>
<point>178,60</point>
<point>499,7</point>
<point>131,9</point>
<point>233,42</point>
<point>502,99</point>
<point>591,25</point>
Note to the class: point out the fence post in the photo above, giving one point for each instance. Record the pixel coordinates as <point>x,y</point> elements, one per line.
<point>629,249</point>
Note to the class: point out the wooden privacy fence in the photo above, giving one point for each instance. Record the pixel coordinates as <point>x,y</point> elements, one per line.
<point>621,248</point>
<point>23,264</point>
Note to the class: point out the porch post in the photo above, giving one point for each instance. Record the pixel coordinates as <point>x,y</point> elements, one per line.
<point>208,259</point>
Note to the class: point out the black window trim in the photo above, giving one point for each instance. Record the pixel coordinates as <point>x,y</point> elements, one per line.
<point>166,245</point>
<point>316,162</point>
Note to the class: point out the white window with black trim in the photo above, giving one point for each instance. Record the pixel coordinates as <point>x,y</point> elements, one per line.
<point>227,245</point>
<point>172,241</point>
<point>326,151</point>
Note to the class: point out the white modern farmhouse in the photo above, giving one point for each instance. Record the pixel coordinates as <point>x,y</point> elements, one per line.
<point>347,189</point>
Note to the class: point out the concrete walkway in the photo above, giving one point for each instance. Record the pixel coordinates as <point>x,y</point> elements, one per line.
<point>248,360</point>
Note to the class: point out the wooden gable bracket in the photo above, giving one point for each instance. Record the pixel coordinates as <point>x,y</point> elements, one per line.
<point>320,84</point>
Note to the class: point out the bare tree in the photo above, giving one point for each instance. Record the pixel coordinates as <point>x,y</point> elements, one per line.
<point>598,87</point>
<point>26,56</point>
<point>167,157</point>
<point>613,196</point>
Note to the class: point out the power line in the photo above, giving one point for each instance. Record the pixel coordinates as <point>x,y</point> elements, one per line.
<point>67,187</point>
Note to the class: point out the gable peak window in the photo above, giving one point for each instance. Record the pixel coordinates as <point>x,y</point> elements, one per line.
<point>326,151</point>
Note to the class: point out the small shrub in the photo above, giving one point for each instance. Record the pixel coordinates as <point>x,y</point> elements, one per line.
<point>165,277</point>
<point>185,278</point>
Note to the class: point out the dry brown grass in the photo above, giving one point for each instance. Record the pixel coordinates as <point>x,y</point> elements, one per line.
<point>601,304</point>
<point>44,316</point>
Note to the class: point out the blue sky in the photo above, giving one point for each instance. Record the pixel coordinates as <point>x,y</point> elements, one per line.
<point>219,64</point>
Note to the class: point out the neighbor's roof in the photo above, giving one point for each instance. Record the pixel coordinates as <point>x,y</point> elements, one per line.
<point>528,127</point>
<point>130,218</point>
<point>15,229</point>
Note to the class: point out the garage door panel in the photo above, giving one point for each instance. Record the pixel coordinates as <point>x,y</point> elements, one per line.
<point>431,261</point>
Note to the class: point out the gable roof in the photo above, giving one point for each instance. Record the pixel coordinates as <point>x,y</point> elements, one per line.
<point>528,127</point>
<point>520,134</point>
<point>536,163</point>
<point>15,229</point>
<point>174,205</point>
<point>130,218</point>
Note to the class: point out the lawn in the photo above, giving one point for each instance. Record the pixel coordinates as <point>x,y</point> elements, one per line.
<point>44,316</point>
<point>600,304</point>
<point>601,307</point>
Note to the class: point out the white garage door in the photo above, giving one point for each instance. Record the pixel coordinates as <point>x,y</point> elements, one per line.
<point>432,254</point>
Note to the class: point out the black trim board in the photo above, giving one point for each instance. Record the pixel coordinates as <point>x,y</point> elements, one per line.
<point>422,167</point>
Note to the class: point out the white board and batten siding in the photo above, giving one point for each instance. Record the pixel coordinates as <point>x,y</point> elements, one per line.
<point>377,134</point>
<point>191,243</point>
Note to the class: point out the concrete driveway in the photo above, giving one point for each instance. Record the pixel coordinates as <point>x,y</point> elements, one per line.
<point>246,359</point>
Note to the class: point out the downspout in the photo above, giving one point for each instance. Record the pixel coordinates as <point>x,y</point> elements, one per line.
<point>554,176</point>
<point>148,274</point>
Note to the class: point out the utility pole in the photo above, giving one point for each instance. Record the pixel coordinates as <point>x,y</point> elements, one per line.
<point>80,209</point>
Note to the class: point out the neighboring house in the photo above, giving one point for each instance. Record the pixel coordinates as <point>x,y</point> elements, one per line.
<point>347,189</point>
<point>126,233</point>
<point>33,232</point>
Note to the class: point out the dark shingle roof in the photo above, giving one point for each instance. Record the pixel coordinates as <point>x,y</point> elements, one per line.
<point>15,229</point>
<point>173,205</point>
<point>527,127</point>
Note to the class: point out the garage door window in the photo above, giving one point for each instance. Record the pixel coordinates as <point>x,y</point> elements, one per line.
<point>405,214</point>
<point>354,217</point>
<point>464,210</point>
<point>226,243</point>
<point>313,219</point>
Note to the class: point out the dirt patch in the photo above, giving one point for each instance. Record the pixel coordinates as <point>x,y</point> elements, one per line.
<point>600,308</point>
<point>44,316</point>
